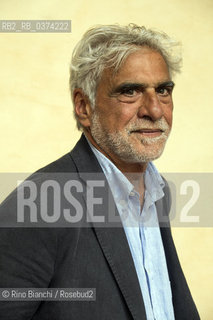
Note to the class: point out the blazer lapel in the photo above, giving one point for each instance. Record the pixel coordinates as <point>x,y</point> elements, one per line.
<point>115,247</point>
<point>112,239</point>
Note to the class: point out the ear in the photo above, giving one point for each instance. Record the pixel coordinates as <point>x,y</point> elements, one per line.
<point>82,107</point>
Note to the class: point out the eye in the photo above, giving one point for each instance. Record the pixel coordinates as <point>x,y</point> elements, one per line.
<point>164,91</point>
<point>129,92</point>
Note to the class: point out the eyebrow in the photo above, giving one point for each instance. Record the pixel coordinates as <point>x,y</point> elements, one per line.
<point>137,86</point>
<point>166,84</point>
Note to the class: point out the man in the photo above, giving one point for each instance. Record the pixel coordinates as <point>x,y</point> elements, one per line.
<point>121,86</point>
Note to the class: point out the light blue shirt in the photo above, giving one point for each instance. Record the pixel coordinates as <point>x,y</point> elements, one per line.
<point>143,235</point>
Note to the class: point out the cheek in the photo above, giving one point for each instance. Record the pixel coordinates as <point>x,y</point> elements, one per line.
<point>117,116</point>
<point>125,113</point>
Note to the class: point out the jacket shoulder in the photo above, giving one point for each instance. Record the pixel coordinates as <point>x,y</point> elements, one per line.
<point>63,164</point>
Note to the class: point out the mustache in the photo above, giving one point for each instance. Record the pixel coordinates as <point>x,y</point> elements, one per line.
<point>143,124</point>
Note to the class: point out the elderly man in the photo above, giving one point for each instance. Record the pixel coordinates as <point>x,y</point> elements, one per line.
<point>121,86</point>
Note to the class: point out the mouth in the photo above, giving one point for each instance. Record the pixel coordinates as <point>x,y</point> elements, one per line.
<point>150,133</point>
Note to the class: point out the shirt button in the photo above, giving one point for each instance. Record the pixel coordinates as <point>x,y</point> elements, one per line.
<point>132,194</point>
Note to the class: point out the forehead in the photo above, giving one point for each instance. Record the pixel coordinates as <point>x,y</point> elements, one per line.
<point>144,65</point>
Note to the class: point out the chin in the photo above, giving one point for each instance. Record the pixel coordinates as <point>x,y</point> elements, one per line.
<point>143,156</point>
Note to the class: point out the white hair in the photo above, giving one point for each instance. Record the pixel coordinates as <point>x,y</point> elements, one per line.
<point>107,46</point>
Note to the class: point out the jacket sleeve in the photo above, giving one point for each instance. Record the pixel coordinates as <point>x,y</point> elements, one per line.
<point>27,258</point>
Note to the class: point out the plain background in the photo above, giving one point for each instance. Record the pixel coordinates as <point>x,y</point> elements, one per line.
<point>36,119</point>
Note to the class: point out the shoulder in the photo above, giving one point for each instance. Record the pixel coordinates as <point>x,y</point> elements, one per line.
<point>167,194</point>
<point>63,164</point>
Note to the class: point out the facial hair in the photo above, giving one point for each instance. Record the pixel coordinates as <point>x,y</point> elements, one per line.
<point>122,143</point>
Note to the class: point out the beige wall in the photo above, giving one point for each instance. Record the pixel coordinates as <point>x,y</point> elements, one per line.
<point>36,114</point>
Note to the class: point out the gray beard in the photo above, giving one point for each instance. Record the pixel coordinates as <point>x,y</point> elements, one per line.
<point>119,143</point>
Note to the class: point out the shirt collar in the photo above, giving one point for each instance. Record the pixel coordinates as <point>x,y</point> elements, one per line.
<point>120,185</point>
<point>154,183</point>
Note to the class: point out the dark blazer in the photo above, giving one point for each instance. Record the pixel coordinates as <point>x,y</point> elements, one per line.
<point>80,257</point>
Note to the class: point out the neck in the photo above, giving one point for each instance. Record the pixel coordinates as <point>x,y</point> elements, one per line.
<point>137,180</point>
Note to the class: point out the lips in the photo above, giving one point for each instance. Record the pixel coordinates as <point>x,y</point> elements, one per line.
<point>148,132</point>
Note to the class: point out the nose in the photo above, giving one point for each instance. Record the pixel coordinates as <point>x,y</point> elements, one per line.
<point>150,106</point>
